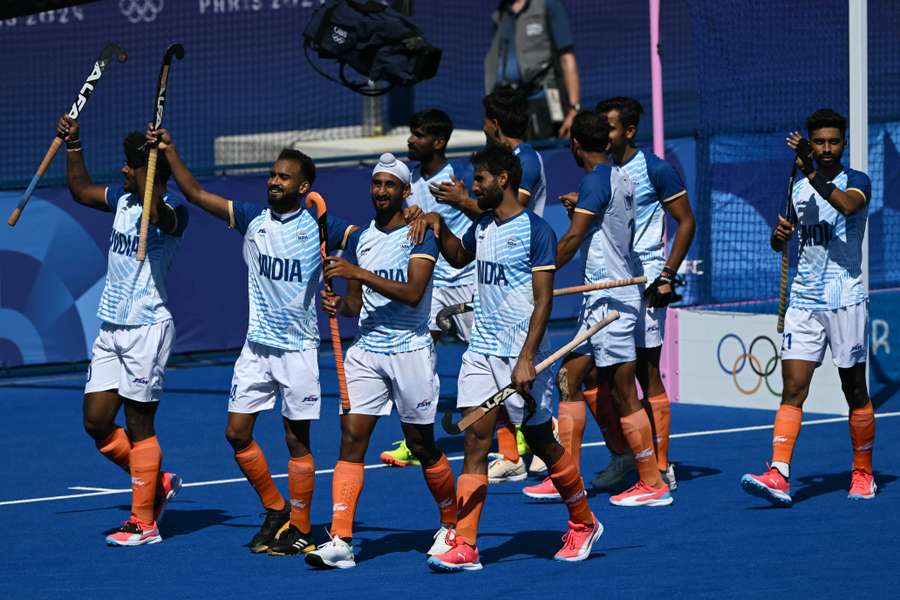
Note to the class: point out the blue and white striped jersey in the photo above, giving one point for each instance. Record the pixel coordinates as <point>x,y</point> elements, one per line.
<point>656,182</point>
<point>829,270</point>
<point>534,182</point>
<point>506,253</point>
<point>456,220</point>
<point>607,194</point>
<point>387,326</point>
<point>283,269</point>
<point>135,292</point>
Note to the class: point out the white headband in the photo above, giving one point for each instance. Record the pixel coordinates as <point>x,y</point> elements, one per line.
<point>388,163</point>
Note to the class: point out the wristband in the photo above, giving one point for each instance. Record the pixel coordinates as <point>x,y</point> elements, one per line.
<point>668,274</point>
<point>822,185</point>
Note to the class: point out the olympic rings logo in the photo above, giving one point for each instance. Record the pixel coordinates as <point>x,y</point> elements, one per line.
<point>761,357</point>
<point>138,11</point>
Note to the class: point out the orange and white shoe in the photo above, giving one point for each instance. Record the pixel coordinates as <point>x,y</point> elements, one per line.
<point>461,557</point>
<point>170,485</point>
<point>134,532</point>
<point>642,494</point>
<point>862,485</point>
<point>544,491</point>
<point>771,486</point>
<point>578,541</point>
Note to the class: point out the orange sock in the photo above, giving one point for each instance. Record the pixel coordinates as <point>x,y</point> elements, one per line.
<point>565,476</point>
<point>636,428</point>
<point>301,480</point>
<point>117,448</point>
<point>603,408</point>
<point>787,428</point>
<point>662,418</point>
<point>862,435</point>
<point>571,428</point>
<point>253,465</point>
<point>442,485</point>
<point>146,457</point>
<point>506,441</point>
<point>345,490</point>
<point>471,492</point>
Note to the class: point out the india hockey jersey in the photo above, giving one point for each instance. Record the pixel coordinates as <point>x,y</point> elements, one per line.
<point>283,270</point>
<point>829,270</point>
<point>506,253</point>
<point>135,292</point>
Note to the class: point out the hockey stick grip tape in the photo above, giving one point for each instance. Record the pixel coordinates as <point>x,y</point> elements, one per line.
<point>600,285</point>
<point>148,198</point>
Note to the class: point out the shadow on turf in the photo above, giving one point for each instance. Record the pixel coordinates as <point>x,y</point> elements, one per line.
<point>180,521</point>
<point>811,486</point>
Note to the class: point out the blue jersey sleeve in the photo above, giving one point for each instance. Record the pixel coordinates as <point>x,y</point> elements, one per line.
<point>113,193</point>
<point>531,171</point>
<point>350,249</point>
<point>664,178</point>
<point>182,214</point>
<point>857,180</point>
<point>242,213</point>
<point>427,248</point>
<point>468,239</point>
<point>595,191</point>
<point>560,28</point>
<point>543,244</point>
<point>337,233</point>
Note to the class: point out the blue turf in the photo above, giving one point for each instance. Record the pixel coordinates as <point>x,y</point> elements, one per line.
<point>714,541</point>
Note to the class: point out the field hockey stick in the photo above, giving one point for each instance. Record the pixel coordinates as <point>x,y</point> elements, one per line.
<point>785,256</point>
<point>315,199</point>
<point>445,314</point>
<point>176,50</point>
<point>110,52</point>
<point>498,398</point>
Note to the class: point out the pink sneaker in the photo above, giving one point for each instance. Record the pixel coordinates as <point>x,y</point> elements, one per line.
<point>578,541</point>
<point>642,494</point>
<point>170,485</point>
<point>134,533</point>
<point>461,557</point>
<point>771,486</point>
<point>544,491</point>
<point>862,485</point>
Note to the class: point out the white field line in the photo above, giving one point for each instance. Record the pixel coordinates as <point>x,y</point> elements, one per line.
<point>108,492</point>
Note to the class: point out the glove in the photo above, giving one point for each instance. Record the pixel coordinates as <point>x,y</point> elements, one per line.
<point>805,154</point>
<point>657,299</point>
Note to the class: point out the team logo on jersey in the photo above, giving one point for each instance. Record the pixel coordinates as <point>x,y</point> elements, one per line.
<point>513,242</point>
<point>302,236</point>
<point>262,231</point>
<point>424,404</point>
<point>310,399</point>
<point>141,380</point>
<point>141,10</point>
<point>364,251</point>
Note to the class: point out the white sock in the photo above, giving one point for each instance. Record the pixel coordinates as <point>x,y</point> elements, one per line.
<point>783,468</point>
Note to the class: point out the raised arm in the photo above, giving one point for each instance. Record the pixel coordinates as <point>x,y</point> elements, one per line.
<point>212,203</point>
<point>83,189</point>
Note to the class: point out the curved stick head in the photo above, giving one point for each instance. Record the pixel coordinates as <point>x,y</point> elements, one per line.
<point>113,51</point>
<point>448,424</point>
<point>316,199</point>
<point>176,50</point>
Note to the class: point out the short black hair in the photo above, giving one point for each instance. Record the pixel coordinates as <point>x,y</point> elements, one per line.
<point>307,166</point>
<point>495,159</point>
<point>826,117</point>
<point>434,122</point>
<point>591,130</point>
<point>510,108</point>
<point>629,109</point>
<point>137,153</point>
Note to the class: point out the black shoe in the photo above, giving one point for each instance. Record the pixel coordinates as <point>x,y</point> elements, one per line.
<point>274,522</point>
<point>290,542</point>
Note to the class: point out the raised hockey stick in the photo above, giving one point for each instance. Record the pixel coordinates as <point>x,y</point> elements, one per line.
<point>176,51</point>
<point>448,312</point>
<point>498,398</point>
<point>315,199</point>
<point>110,52</point>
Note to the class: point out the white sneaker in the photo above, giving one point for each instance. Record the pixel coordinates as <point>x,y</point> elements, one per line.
<point>443,541</point>
<point>620,465</point>
<point>537,466</point>
<point>333,554</point>
<point>668,477</point>
<point>501,470</point>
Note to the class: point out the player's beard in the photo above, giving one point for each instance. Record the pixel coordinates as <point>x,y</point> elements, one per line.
<point>490,198</point>
<point>286,202</point>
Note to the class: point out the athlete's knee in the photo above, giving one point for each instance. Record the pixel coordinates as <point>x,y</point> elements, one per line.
<point>140,425</point>
<point>477,445</point>
<point>238,437</point>
<point>97,427</point>
<point>794,392</point>
<point>856,394</point>
<point>427,453</point>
